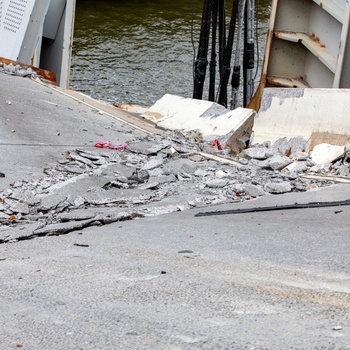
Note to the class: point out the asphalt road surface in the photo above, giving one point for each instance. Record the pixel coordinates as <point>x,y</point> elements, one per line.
<point>260,280</point>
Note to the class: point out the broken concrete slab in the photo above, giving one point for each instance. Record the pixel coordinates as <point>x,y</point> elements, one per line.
<point>66,227</point>
<point>181,110</point>
<point>241,135</point>
<point>51,202</point>
<point>77,215</point>
<point>63,228</point>
<point>325,153</point>
<point>15,232</point>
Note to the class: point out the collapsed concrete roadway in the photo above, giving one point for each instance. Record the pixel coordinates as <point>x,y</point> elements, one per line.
<point>104,248</point>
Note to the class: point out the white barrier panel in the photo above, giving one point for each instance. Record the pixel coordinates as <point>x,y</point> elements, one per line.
<point>21,28</point>
<point>38,33</point>
<point>317,115</point>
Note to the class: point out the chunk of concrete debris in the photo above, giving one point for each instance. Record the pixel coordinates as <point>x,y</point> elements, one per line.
<point>278,188</point>
<point>152,163</point>
<point>178,166</point>
<point>200,173</point>
<point>216,183</point>
<point>11,206</point>
<point>253,190</point>
<point>79,201</point>
<point>297,166</point>
<point>149,186</point>
<point>301,156</point>
<point>290,147</point>
<point>276,162</point>
<point>163,179</point>
<point>221,174</point>
<point>343,170</point>
<point>179,113</point>
<point>325,153</point>
<point>260,153</point>
<point>75,156</point>
<point>147,147</point>
<point>139,176</point>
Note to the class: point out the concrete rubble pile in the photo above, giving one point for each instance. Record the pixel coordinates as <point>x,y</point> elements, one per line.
<point>154,175</point>
<point>18,70</point>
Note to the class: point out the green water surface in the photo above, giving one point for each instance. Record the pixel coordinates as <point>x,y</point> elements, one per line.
<point>136,51</point>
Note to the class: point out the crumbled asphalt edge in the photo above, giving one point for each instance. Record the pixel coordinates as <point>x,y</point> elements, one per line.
<point>152,176</point>
<point>18,70</point>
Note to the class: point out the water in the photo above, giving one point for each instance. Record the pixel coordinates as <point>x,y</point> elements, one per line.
<point>136,51</point>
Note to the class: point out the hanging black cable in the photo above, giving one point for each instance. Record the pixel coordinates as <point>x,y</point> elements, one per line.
<point>192,41</point>
<point>248,60</point>
<point>212,64</point>
<point>236,74</point>
<point>202,61</point>
<point>222,34</point>
<point>226,69</point>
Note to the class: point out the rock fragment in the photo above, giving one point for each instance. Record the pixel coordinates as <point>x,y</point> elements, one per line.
<point>139,176</point>
<point>297,166</point>
<point>152,164</point>
<point>260,153</point>
<point>253,190</point>
<point>216,183</point>
<point>276,162</point>
<point>278,188</point>
<point>178,166</point>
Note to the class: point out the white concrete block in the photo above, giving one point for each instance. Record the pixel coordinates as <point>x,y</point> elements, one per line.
<point>186,114</point>
<point>326,153</point>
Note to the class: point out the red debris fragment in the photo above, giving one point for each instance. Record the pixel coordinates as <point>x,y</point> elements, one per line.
<point>119,147</point>
<point>107,144</point>
<point>217,143</point>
